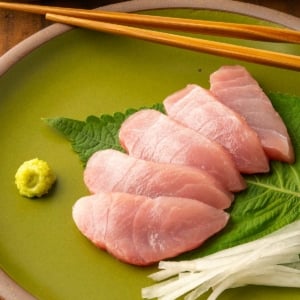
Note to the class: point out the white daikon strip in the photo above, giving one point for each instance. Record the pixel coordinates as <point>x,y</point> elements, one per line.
<point>272,260</point>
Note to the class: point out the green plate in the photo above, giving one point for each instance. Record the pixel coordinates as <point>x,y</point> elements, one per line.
<point>77,74</point>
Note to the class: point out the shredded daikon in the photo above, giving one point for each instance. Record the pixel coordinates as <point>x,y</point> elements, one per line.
<point>272,260</point>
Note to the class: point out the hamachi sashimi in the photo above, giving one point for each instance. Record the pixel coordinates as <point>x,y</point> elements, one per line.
<point>236,88</point>
<point>196,108</point>
<point>140,230</point>
<point>151,135</point>
<point>114,171</point>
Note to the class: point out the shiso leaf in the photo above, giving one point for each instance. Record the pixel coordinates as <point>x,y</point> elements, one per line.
<point>270,202</point>
<point>95,133</point>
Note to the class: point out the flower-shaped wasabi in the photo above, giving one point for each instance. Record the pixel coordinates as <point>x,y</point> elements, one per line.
<point>34,178</point>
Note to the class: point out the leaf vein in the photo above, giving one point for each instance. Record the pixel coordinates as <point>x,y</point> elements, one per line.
<point>274,188</point>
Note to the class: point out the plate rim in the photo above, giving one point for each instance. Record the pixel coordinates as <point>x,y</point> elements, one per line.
<point>16,53</point>
<point>11,290</point>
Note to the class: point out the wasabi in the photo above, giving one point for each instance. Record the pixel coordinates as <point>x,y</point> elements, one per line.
<point>34,178</point>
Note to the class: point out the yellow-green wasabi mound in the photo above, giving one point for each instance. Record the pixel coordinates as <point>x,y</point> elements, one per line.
<point>34,178</point>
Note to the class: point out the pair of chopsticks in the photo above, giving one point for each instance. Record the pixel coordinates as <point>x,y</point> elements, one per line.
<point>121,24</point>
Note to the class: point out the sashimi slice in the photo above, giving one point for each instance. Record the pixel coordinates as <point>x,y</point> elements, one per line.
<point>114,171</point>
<point>151,135</point>
<point>235,87</point>
<point>196,108</point>
<point>140,230</point>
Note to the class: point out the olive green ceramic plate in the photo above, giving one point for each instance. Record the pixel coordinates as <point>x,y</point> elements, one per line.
<point>77,74</point>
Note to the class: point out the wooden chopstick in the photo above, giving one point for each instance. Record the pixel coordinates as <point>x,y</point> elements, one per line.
<point>245,31</point>
<point>90,20</point>
<point>228,50</point>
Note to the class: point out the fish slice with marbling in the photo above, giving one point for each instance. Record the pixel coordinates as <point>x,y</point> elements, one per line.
<point>196,108</point>
<point>113,171</point>
<point>140,230</point>
<point>235,87</point>
<point>151,135</point>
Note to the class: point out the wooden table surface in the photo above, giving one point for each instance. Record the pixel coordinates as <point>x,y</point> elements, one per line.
<point>16,26</point>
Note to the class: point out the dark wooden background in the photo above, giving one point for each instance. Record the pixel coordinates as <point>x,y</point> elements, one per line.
<point>16,26</point>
